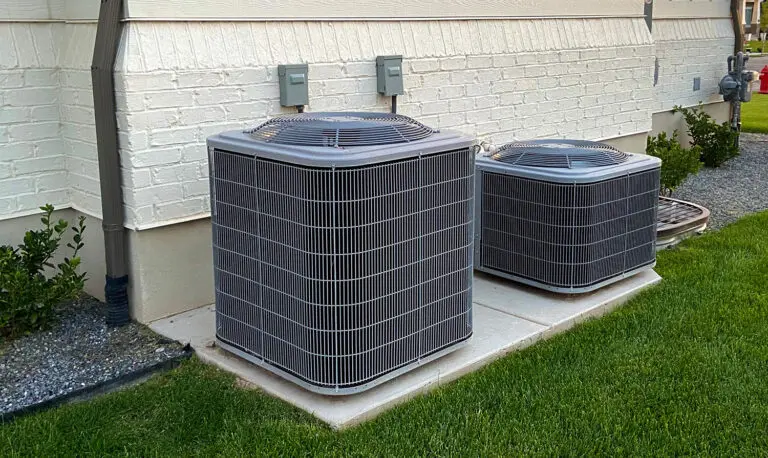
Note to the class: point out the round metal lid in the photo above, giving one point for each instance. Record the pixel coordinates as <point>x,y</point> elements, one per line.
<point>561,154</point>
<point>340,130</point>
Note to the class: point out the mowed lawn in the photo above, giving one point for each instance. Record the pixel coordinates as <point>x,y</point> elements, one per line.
<point>754,115</point>
<point>680,370</point>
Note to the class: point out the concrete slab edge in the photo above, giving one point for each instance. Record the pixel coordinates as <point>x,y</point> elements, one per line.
<point>269,382</point>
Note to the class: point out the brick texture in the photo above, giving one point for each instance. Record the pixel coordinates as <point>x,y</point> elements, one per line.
<point>686,49</point>
<point>32,158</point>
<point>181,82</point>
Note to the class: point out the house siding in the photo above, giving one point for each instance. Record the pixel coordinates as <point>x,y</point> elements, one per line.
<point>179,82</point>
<point>32,158</point>
<point>689,48</point>
<point>497,80</point>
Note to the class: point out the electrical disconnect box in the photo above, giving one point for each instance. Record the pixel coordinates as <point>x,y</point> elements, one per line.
<point>294,84</point>
<point>389,74</point>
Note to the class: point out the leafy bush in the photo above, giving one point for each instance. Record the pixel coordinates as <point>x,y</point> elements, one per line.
<point>718,142</point>
<point>677,163</point>
<point>28,294</point>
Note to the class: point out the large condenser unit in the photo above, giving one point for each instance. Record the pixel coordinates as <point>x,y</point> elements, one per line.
<point>343,246</point>
<point>566,216</point>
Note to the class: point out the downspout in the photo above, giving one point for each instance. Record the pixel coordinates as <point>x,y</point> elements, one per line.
<point>738,50</point>
<point>102,75</point>
<point>738,30</point>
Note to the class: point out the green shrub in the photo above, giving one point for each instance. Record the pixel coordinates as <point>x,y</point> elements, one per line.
<point>677,163</point>
<point>29,293</point>
<point>718,142</point>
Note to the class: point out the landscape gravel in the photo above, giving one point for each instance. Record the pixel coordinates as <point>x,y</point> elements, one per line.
<point>735,189</point>
<point>79,351</point>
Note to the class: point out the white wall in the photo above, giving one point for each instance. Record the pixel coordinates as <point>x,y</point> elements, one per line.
<point>689,48</point>
<point>689,9</point>
<point>78,131</point>
<point>32,157</point>
<point>376,9</point>
<point>47,133</point>
<point>181,82</point>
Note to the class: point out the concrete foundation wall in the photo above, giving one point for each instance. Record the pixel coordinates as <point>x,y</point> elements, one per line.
<point>171,269</point>
<point>630,144</point>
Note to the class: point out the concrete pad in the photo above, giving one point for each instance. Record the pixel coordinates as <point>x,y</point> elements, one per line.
<point>558,311</point>
<point>507,317</point>
<point>196,327</point>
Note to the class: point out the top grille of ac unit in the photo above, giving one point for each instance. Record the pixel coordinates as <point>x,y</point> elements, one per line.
<point>564,154</point>
<point>341,130</point>
<point>340,264</point>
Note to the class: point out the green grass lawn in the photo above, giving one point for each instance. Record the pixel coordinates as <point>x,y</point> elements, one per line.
<point>754,45</point>
<point>754,115</point>
<point>680,370</point>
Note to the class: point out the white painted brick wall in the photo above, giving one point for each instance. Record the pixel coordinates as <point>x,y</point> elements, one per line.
<point>32,156</point>
<point>178,83</point>
<point>499,80</point>
<point>689,48</point>
<point>78,131</point>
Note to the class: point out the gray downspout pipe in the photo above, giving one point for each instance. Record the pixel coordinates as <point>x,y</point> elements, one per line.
<point>102,75</point>
<point>738,49</point>
<point>738,30</point>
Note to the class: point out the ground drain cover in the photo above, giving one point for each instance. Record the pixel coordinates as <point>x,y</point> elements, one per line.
<point>679,220</point>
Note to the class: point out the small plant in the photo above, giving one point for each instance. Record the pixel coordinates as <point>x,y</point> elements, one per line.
<point>718,142</point>
<point>677,163</point>
<point>30,284</point>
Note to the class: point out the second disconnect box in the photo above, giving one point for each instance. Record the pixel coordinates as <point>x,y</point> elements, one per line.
<point>389,73</point>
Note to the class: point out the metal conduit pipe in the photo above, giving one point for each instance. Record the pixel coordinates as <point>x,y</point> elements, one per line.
<point>108,34</point>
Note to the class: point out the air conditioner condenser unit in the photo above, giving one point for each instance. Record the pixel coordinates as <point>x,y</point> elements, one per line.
<point>343,246</point>
<point>566,216</point>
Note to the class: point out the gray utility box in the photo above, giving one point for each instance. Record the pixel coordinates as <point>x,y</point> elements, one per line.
<point>566,216</point>
<point>342,246</point>
<point>389,75</point>
<point>294,84</point>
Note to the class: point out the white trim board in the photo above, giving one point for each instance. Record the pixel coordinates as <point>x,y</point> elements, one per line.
<point>374,10</point>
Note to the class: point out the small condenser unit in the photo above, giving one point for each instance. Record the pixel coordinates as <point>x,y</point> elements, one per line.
<point>343,246</point>
<point>566,216</point>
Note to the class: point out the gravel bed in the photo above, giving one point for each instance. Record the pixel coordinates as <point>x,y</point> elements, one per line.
<point>735,189</point>
<point>78,352</point>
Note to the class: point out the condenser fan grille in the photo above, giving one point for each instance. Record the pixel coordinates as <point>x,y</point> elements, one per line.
<point>561,154</point>
<point>340,130</point>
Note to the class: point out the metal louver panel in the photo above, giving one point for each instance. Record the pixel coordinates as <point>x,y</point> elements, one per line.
<point>564,154</point>
<point>341,278</point>
<point>341,130</point>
